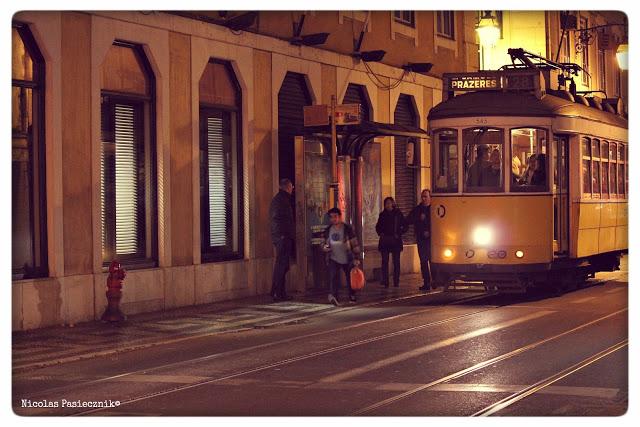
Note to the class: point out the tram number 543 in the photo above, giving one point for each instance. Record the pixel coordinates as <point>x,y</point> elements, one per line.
<point>481,121</point>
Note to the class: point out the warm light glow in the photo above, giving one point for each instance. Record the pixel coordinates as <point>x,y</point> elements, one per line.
<point>488,30</point>
<point>482,236</point>
<point>622,55</point>
<point>448,253</point>
<point>519,254</point>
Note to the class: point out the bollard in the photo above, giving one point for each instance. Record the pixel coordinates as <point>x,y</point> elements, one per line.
<point>114,293</point>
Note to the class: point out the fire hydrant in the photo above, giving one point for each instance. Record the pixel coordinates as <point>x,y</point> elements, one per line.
<point>114,293</point>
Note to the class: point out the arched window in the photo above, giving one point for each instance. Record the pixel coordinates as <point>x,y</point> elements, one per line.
<point>128,172</point>
<point>292,98</point>
<point>221,195</point>
<point>28,207</point>
<point>406,183</point>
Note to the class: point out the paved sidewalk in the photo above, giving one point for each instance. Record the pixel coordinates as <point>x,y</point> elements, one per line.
<point>54,345</point>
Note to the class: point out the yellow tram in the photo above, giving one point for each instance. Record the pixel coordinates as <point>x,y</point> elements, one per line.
<point>529,184</point>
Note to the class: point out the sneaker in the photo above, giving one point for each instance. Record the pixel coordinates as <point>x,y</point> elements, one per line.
<point>352,298</point>
<point>286,297</point>
<point>425,288</point>
<point>333,300</point>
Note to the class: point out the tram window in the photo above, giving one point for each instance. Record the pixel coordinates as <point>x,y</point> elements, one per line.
<point>529,159</point>
<point>586,166</point>
<point>446,170</point>
<point>483,151</point>
<point>595,167</point>
<point>626,171</point>
<point>621,168</point>
<point>605,169</point>
<point>613,165</point>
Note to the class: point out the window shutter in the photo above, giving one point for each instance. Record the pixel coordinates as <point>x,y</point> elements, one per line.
<point>292,97</point>
<point>127,197</point>
<point>218,185</point>
<point>405,177</point>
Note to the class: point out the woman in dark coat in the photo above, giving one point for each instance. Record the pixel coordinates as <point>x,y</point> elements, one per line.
<point>390,228</point>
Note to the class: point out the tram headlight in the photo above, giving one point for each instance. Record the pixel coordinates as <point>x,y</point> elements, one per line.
<point>447,253</point>
<point>519,254</point>
<point>482,236</point>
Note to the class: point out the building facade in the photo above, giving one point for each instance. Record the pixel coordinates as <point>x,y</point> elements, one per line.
<point>158,139</point>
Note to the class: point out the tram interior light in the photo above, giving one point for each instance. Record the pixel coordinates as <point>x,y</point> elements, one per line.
<point>448,253</point>
<point>622,55</point>
<point>482,236</point>
<point>488,30</point>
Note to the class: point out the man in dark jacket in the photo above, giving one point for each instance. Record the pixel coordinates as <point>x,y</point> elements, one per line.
<point>390,227</point>
<point>420,217</point>
<point>282,235</point>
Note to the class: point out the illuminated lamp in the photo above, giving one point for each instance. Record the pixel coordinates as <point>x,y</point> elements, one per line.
<point>488,30</point>
<point>622,55</point>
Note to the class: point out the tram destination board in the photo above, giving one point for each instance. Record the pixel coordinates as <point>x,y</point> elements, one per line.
<point>499,80</point>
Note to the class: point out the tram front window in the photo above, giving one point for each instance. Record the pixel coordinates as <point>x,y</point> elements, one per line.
<point>446,168</point>
<point>483,154</point>
<point>529,159</point>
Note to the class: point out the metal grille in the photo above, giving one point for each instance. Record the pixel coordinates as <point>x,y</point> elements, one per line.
<point>405,177</point>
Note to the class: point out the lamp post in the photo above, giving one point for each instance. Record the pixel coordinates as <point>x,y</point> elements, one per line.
<point>488,33</point>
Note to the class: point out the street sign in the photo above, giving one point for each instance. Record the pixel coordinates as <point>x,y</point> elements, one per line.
<point>318,115</point>
<point>348,114</point>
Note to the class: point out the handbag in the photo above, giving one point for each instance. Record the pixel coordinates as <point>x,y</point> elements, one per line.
<point>357,279</point>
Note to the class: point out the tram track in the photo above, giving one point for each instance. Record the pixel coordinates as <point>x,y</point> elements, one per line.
<point>520,350</point>
<point>243,350</point>
<point>536,387</point>
<point>481,365</point>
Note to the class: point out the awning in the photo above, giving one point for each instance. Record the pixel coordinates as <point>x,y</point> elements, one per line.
<point>353,138</point>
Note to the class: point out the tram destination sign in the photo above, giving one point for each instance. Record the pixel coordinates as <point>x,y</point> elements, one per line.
<point>499,80</point>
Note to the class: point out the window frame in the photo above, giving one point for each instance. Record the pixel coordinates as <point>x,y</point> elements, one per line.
<point>440,21</point>
<point>484,189</point>
<point>37,154</point>
<point>398,16</point>
<point>147,103</point>
<point>547,156</point>
<point>436,159</point>
<point>209,254</point>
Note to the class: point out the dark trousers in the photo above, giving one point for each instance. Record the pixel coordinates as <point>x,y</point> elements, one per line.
<point>424,252</point>
<point>284,248</point>
<point>395,255</point>
<point>334,277</point>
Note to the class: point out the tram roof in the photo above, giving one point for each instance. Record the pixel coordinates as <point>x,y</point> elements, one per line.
<point>521,104</point>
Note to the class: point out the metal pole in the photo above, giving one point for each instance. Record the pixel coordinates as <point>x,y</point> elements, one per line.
<point>334,152</point>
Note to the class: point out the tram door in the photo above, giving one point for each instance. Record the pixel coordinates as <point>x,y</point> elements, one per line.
<point>561,195</point>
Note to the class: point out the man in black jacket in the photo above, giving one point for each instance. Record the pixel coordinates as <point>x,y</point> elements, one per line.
<point>420,217</point>
<point>283,233</point>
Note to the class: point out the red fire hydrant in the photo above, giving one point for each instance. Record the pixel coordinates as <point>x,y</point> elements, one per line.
<point>114,293</point>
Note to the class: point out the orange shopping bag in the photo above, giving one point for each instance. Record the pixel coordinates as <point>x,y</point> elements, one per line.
<point>357,279</point>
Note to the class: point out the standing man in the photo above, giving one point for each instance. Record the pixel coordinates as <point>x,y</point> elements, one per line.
<point>341,244</point>
<point>283,233</point>
<point>420,217</point>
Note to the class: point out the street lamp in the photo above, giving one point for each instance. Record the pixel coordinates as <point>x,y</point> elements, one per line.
<point>622,55</point>
<point>488,30</point>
